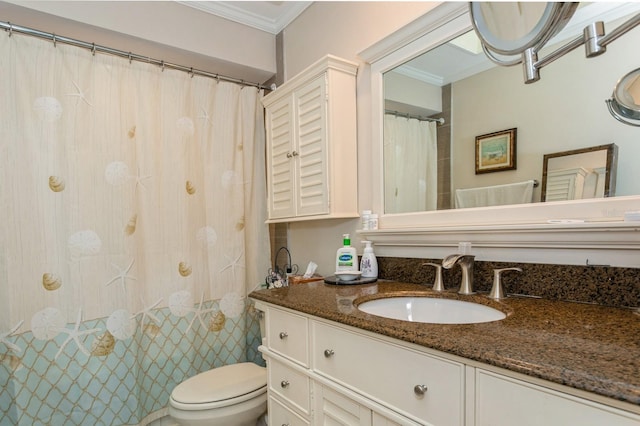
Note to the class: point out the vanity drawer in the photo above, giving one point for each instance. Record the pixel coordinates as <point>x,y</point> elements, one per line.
<point>505,401</point>
<point>389,373</point>
<point>279,414</point>
<point>290,385</point>
<point>287,335</point>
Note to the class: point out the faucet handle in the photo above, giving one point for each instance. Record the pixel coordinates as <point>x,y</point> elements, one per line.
<point>437,283</point>
<point>497,291</point>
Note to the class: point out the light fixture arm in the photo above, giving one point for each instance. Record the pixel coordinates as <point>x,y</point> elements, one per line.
<point>622,29</point>
<point>532,65</point>
<point>593,38</point>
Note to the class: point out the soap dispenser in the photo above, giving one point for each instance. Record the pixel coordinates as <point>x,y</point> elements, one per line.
<point>368,263</point>
<point>346,257</point>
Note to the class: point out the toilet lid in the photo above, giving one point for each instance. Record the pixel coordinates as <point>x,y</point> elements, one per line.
<point>222,383</point>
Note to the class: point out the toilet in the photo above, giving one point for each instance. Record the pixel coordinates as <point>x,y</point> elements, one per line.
<point>232,395</point>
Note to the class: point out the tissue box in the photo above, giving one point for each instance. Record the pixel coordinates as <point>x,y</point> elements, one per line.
<point>299,279</point>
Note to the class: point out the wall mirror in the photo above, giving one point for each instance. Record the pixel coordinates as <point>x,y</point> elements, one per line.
<point>624,103</point>
<point>447,76</point>
<point>580,173</point>
<point>547,117</point>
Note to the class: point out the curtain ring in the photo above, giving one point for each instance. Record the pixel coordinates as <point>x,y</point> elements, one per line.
<point>162,65</point>
<point>54,40</point>
<point>129,58</point>
<point>10,29</point>
<point>93,49</point>
<point>217,78</point>
<point>191,72</point>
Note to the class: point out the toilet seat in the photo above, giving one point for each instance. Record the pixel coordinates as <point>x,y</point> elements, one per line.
<point>220,387</point>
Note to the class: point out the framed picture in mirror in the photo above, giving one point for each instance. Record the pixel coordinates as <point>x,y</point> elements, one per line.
<point>496,151</point>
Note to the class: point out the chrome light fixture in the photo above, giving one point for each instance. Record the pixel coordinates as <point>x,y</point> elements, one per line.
<point>514,32</point>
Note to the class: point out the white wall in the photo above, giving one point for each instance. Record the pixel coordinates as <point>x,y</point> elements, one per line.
<point>342,29</point>
<point>164,30</point>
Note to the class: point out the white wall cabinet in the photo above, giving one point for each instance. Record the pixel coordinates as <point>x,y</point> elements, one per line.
<point>340,375</point>
<point>311,144</point>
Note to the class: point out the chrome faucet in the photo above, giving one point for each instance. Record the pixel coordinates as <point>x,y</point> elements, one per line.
<point>497,290</point>
<point>466,265</point>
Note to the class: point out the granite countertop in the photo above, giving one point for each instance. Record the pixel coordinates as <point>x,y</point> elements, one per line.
<point>588,347</point>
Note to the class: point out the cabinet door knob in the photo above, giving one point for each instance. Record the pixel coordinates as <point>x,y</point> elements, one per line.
<point>284,384</point>
<point>328,353</point>
<point>294,153</point>
<point>420,390</point>
<point>283,335</point>
<point>289,154</point>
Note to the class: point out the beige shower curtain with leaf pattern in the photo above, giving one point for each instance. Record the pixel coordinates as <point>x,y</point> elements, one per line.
<point>124,189</point>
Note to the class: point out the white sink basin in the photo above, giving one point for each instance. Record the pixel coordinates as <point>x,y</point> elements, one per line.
<point>431,310</point>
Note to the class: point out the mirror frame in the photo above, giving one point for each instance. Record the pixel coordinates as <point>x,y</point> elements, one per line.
<point>530,232</point>
<point>610,165</point>
<point>619,107</point>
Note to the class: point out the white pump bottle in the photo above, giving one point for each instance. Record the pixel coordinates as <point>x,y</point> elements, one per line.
<point>368,263</point>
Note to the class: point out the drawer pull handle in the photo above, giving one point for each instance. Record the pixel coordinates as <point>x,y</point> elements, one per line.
<point>283,335</point>
<point>328,353</point>
<point>284,384</point>
<point>420,390</point>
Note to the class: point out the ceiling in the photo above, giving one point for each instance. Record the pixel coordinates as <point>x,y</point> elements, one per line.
<point>269,16</point>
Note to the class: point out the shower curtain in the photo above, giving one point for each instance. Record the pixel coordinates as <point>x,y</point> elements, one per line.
<point>133,204</point>
<point>410,165</point>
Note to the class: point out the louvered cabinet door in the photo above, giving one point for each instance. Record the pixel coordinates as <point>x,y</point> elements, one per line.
<point>310,159</point>
<point>280,170</point>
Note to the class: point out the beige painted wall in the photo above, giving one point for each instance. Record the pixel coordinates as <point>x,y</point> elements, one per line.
<point>408,95</point>
<point>164,30</point>
<point>169,31</point>
<point>342,29</point>
<point>318,241</point>
<point>564,110</point>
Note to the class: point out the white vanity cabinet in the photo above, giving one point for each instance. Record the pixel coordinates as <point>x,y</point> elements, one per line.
<point>320,373</point>
<point>419,386</point>
<point>311,143</point>
<point>287,335</point>
<point>326,373</point>
<point>281,415</point>
<point>505,401</point>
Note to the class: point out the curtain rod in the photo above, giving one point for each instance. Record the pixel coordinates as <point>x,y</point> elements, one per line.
<point>11,28</point>
<point>417,117</point>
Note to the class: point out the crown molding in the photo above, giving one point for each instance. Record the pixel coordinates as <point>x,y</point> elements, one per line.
<point>229,10</point>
